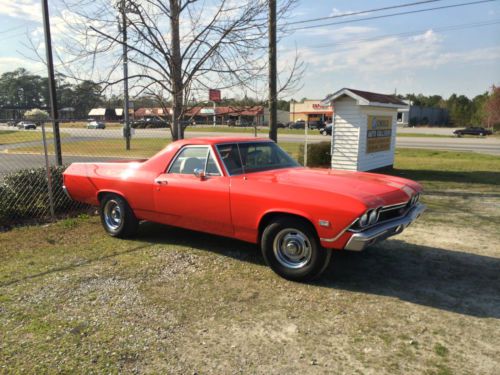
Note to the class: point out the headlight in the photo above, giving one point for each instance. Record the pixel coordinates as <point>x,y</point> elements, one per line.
<point>373,217</point>
<point>363,220</point>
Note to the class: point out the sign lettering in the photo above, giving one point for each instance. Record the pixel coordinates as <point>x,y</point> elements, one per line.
<point>379,133</point>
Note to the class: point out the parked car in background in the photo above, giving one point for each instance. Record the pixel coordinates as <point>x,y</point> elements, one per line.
<point>251,190</point>
<point>26,125</point>
<point>150,123</point>
<point>300,124</point>
<point>473,130</point>
<point>244,123</point>
<point>96,125</point>
<point>186,123</point>
<point>280,125</point>
<point>326,130</point>
<point>316,124</point>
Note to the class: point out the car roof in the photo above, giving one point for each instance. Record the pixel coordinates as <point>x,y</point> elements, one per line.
<point>220,140</point>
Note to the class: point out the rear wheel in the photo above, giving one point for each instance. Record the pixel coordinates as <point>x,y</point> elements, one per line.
<point>117,217</point>
<point>291,248</point>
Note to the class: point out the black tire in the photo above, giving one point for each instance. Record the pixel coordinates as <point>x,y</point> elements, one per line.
<point>303,259</point>
<point>117,217</point>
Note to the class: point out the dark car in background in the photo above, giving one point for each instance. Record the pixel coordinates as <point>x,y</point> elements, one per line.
<point>26,125</point>
<point>301,124</point>
<point>473,130</point>
<point>326,130</point>
<point>150,123</point>
<point>316,124</point>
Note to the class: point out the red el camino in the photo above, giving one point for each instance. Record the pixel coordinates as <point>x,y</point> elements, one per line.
<point>249,189</point>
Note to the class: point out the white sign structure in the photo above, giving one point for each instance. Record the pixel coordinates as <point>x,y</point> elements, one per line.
<point>364,130</point>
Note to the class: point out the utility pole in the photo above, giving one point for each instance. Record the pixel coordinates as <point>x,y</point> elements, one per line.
<point>273,131</point>
<point>52,83</point>
<point>126,123</point>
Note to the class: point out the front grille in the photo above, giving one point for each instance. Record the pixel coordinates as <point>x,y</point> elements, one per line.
<point>392,212</point>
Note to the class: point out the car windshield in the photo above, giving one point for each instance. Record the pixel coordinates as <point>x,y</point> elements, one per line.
<point>248,157</point>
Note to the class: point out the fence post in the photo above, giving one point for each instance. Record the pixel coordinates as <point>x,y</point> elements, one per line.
<point>49,176</point>
<point>306,125</point>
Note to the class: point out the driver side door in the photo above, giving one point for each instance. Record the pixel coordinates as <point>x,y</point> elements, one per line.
<point>195,202</point>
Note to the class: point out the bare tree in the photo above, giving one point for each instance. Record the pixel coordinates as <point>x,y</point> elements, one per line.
<point>178,49</point>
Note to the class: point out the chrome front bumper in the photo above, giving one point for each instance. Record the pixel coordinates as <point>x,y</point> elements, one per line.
<point>360,240</point>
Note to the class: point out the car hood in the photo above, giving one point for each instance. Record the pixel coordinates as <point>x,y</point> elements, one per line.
<point>373,189</point>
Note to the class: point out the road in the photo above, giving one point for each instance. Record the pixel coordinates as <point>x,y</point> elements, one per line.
<point>489,145</point>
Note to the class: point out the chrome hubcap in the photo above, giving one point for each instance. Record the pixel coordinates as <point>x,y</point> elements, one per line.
<point>112,214</point>
<point>292,248</point>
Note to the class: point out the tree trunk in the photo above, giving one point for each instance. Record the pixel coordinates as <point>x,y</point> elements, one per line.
<point>176,71</point>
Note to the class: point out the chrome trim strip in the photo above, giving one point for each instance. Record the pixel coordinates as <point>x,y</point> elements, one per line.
<point>393,207</point>
<point>340,233</point>
<point>359,241</point>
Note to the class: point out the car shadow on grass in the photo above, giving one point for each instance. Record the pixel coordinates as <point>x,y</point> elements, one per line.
<point>445,279</point>
<point>167,235</point>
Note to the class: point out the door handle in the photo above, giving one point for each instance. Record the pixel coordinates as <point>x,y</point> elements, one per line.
<point>161,181</point>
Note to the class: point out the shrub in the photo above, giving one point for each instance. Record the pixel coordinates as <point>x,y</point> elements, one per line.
<point>24,194</point>
<point>318,154</point>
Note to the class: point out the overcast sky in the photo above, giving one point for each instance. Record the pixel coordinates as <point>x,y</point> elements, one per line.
<point>437,52</point>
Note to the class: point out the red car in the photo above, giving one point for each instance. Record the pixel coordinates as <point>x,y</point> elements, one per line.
<point>252,190</point>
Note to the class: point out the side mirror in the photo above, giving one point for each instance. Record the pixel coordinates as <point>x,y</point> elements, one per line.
<point>200,173</point>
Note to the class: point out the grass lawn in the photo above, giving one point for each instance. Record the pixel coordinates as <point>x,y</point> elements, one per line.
<point>74,300</point>
<point>441,170</point>
<point>264,131</point>
<point>20,136</point>
<point>140,147</point>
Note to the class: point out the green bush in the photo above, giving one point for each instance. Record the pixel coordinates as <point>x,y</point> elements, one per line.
<point>24,194</point>
<point>318,154</point>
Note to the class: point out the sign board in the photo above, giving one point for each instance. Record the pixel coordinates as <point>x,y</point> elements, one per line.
<point>214,95</point>
<point>207,111</point>
<point>378,135</point>
<point>321,107</point>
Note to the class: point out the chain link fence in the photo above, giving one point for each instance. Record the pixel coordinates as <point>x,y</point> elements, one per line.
<point>30,180</point>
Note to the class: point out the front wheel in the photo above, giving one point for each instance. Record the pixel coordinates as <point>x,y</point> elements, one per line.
<point>117,217</point>
<point>291,248</point>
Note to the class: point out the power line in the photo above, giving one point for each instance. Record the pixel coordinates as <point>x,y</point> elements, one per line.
<point>364,11</point>
<point>12,29</point>
<point>409,33</point>
<point>394,14</point>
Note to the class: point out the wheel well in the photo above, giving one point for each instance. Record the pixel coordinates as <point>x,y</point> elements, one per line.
<point>271,216</point>
<point>101,195</point>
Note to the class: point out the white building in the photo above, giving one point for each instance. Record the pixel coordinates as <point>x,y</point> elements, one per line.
<point>364,129</point>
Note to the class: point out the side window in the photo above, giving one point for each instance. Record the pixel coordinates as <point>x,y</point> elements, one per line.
<point>231,158</point>
<point>189,159</point>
